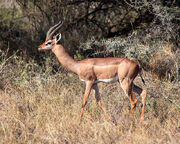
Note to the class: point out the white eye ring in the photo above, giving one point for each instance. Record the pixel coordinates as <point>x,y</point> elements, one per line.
<point>48,43</point>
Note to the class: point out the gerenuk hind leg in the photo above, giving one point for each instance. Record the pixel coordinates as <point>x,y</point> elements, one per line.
<point>142,93</point>
<point>127,85</point>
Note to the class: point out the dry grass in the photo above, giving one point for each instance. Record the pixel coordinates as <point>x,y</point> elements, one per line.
<point>38,107</point>
<point>46,110</point>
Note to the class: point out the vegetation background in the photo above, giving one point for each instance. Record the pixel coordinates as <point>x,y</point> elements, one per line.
<point>40,101</point>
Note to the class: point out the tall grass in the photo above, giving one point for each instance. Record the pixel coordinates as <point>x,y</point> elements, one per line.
<point>37,106</point>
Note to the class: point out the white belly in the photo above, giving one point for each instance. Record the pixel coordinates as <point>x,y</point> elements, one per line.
<point>111,80</point>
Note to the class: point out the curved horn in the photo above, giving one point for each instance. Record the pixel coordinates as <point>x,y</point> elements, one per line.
<point>51,31</point>
<point>55,29</point>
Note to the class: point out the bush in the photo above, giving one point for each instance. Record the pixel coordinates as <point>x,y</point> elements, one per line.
<point>156,57</point>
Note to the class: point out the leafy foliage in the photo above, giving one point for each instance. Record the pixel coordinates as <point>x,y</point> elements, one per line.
<point>128,24</point>
<point>40,101</point>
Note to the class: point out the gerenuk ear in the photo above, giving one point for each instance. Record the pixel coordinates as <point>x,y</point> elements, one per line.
<point>58,37</point>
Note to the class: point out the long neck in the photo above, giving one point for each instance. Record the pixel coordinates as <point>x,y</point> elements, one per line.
<point>64,58</point>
